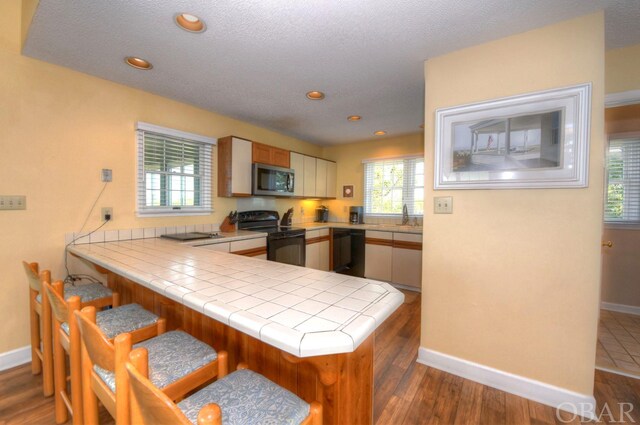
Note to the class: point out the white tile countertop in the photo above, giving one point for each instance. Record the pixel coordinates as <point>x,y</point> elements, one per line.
<point>396,228</point>
<point>302,311</point>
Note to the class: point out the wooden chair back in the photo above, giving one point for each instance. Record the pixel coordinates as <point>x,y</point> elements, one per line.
<point>100,350</point>
<point>55,294</point>
<point>149,405</point>
<point>33,275</point>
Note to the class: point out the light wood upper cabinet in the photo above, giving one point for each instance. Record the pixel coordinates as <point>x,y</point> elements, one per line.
<point>321,178</point>
<point>234,167</point>
<point>309,184</point>
<point>297,164</point>
<point>270,155</point>
<point>332,179</point>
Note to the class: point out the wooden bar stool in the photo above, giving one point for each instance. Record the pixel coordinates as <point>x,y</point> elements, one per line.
<point>241,398</point>
<point>179,363</point>
<point>40,317</point>
<point>66,339</point>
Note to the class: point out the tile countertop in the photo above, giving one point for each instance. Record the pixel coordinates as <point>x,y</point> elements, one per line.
<point>396,228</point>
<point>238,235</point>
<point>302,311</point>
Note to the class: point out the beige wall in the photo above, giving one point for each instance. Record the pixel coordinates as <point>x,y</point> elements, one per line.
<point>58,128</point>
<point>350,170</point>
<point>622,68</point>
<point>511,278</point>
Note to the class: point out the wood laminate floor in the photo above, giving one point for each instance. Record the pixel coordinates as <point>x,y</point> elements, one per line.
<point>405,392</point>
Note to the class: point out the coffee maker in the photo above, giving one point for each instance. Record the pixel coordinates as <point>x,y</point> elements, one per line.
<point>322,214</point>
<point>356,215</point>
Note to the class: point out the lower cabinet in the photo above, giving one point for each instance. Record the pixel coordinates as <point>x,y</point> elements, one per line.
<point>377,255</point>
<point>317,249</point>
<point>256,248</point>
<point>394,257</point>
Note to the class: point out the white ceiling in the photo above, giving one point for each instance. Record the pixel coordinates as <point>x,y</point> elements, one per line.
<point>258,58</point>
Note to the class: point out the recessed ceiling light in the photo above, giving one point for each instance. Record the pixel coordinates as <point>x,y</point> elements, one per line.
<point>354,117</point>
<point>380,133</point>
<point>138,63</point>
<point>190,22</point>
<point>315,95</point>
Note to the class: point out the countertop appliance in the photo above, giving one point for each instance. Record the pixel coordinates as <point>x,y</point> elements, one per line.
<point>322,214</point>
<point>192,236</point>
<point>348,251</point>
<point>356,215</point>
<point>270,180</point>
<point>285,244</point>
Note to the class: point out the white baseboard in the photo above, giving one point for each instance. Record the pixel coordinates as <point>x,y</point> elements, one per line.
<point>620,308</point>
<point>541,392</point>
<point>15,357</point>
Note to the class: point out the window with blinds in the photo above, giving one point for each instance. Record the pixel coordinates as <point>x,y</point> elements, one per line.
<point>391,183</point>
<point>174,172</point>
<point>622,197</point>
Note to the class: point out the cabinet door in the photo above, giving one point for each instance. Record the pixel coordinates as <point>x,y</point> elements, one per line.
<point>407,260</point>
<point>297,164</point>
<point>261,153</point>
<point>378,255</point>
<point>222,247</point>
<point>332,179</point>
<point>312,256</point>
<point>280,157</point>
<point>240,167</point>
<point>323,248</point>
<point>321,178</point>
<point>309,176</point>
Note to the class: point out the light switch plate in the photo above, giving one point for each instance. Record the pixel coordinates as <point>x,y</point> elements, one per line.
<point>13,202</point>
<point>443,205</point>
<point>107,175</point>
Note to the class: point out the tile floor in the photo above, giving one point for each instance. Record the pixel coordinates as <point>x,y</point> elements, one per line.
<point>618,348</point>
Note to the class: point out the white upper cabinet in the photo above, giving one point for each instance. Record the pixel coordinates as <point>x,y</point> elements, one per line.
<point>314,177</point>
<point>297,164</point>
<point>309,187</point>
<point>332,179</point>
<point>240,166</point>
<point>321,178</point>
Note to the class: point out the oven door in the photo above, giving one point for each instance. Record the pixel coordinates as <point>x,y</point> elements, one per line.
<point>288,249</point>
<point>273,181</point>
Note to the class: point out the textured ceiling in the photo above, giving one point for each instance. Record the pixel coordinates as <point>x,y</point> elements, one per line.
<point>258,58</point>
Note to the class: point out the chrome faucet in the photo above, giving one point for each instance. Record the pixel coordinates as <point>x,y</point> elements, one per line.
<point>405,215</point>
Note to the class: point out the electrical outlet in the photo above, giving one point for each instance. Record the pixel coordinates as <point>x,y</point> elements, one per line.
<point>13,202</point>
<point>443,205</point>
<point>107,211</point>
<point>107,175</point>
<point>302,211</point>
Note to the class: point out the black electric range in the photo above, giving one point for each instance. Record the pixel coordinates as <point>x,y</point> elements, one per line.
<point>285,244</point>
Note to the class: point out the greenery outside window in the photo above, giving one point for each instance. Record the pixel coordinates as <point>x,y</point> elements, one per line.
<point>174,172</point>
<point>622,197</point>
<point>390,183</point>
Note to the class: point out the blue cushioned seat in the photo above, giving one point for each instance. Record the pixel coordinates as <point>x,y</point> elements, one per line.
<point>247,398</point>
<point>88,292</point>
<point>126,318</point>
<point>172,355</point>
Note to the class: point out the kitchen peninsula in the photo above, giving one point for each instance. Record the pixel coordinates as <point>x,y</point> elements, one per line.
<point>307,330</point>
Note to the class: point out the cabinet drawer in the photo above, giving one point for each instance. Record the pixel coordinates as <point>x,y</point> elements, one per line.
<point>407,237</point>
<point>249,247</point>
<point>375,234</point>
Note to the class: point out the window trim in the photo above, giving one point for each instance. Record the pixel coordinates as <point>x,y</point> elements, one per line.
<point>616,224</point>
<point>386,158</point>
<point>143,127</point>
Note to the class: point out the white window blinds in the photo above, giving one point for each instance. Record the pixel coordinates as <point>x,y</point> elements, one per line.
<point>622,197</point>
<point>391,183</point>
<point>174,173</point>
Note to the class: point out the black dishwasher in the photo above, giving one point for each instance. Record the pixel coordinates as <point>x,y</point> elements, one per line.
<point>348,251</point>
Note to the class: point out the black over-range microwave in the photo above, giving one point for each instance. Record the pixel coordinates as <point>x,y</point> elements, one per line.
<point>269,180</point>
